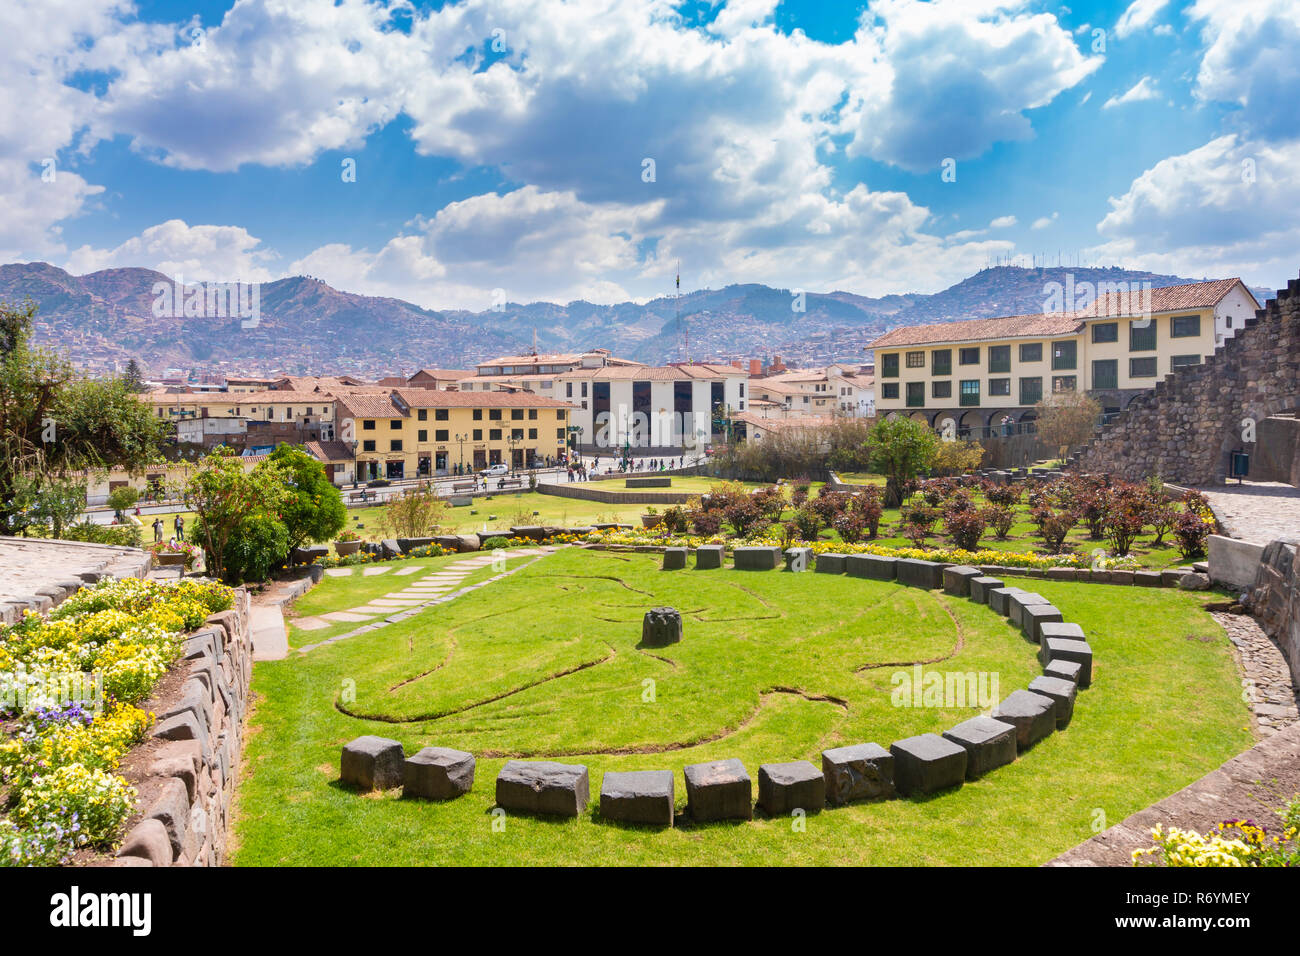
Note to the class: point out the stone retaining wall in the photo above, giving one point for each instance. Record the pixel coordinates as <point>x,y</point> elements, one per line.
<point>584,491</point>
<point>1275,600</point>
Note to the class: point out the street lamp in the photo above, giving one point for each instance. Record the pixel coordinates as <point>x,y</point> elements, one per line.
<point>513,440</point>
<point>461,439</point>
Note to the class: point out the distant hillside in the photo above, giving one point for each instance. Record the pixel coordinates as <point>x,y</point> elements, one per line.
<point>103,319</point>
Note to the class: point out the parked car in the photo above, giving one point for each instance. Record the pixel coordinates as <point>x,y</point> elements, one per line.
<point>492,471</point>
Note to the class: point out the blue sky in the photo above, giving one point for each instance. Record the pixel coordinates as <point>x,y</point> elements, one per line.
<point>504,146</point>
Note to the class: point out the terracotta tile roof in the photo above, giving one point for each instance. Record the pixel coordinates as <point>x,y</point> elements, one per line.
<point>1174,298</point>
<point>655,373</point>
<point>428,398</point>
<point>329,450</point>
<point>448,373</point>
<point>364,405</point>
<point>807,421</point>
<point>277,397</point>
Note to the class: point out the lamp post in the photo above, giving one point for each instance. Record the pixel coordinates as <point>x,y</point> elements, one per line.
<point>460,440</point>
<point>512,440</point>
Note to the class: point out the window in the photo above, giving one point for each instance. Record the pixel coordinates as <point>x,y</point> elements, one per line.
<point>1031,352</point>
<point>1000,386</point>
<point>440,414</point>
<point>532,433</point>
<point>422,435</point>
<point>368,445</point>
<point>494,434</point>
<point>584,389</point>
<point>968,356</point>
<point>394,424</point>
<point>916,394</point>
<point>1105,332</point>
<point>1065,383</point>
<point>941,361</point>
<point>532,414</point>
<point>1031,391</point>
<point>568,390</point>
<point>1227,325</point>
<point>368,425</point>
<point>941,389</point>
<point>516,414</point>
<point>494,414</point>
<point>1184,326</point>
<point>1000,358</point>
<point>1182,361</point>
<point>422,415</point>
<point>889,390</point>
<point>517,434</point>
<point>1142,368</point>
<point>395,445</point>
<point>916,360</point>
<point>1064,354</point>
<point>559,434</point>
<point>1105,373</point>
<point>889,366</point>
<point>478,414</point>
<point>970,390</point>
<point>1142,336</point>
<point>478,434</point>
<point>440,434</point>
<point>559,414</point>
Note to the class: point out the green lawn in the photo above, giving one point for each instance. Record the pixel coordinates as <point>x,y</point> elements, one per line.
<point>773,667</point>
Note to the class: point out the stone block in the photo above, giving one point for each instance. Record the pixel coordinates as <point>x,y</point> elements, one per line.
<point>874,566</point>
<point>1147,579</point>
<point>438,773</point>
<point>674,559</point>
<point>542,786</point>
<point>372,763</point>
<point>957,578</point>
<point>858,772</point>
<point>756,558</point>
<point>919,574</point>
<point>786,787</point>
<point>709,556</point>
<point>1018,602</point>
<point>171,808</point>
<point>1195,581</point>
<point>1068,649</point>
<point>1063,574</point>
<point>1033,715</point>
<point>149,841</point>
<point>389,548</point>
<point>661,626</point>
<point>1066,670</point>
<point>719,790</point>
<point>798,559</point>
<point>1034,616</point>
<point>989,744</point>
<point>830,563</point>
<point>1061,691</point>
<point>927,763</point>
<point>1121,577</point>
<point>638,796</point>
<point>1000,598</point>
<point>981,585</point>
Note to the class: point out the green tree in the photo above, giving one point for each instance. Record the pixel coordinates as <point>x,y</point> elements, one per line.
<point>900,450</point>
<point>1066,419</point>
<point>315,510</point>
<point>133,377</point>
<point>232,506</point>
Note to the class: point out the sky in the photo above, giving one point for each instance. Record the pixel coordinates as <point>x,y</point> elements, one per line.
<point>459,154</point>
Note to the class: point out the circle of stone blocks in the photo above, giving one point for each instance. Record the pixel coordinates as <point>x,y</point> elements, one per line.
<point>1000,598</point>
<point>786,787</point>
<point>1066,670</point>
<point>709,556</point>
<point>798,559</point>
<point>372,763</point>
<point>756,558</point>
<point>877,567</point>
<point>638,796</point>
<point>438,773</point>
<point>544,787</point>
<point>989,744</point>
<point>1033,715</point>
<point>919,574</point>
<point>831,563</point>
<point>661,626</point>
<point>927,763</point>
<point>1061,691</point>
<point>719,790</point>
<point>1068,649</point>
<point>957,578</point>
<point>674,559</point>
<point>1149,579</point>
<point>1034,616</point>
<point>1017,603</point>
<point>858,772</point>
<point>981,586</point>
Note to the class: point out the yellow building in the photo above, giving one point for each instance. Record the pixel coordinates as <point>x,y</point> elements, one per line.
<point>983,376</point>
<point>416,432</point>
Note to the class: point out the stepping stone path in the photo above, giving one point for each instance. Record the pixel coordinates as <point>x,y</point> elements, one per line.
<point>436,587</point>
<point>339,572</point>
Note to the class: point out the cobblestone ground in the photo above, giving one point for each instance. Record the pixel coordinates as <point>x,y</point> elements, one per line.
<point>1267,681</point>
<point>1258,511</point>
<point>28,564</point>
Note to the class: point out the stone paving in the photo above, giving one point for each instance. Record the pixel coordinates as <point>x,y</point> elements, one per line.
<point>27,564</point>
<point>1256,511</point>
<point>1267,680</point>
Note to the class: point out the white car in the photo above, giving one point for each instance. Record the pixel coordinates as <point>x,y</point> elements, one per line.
<point>492,471</point>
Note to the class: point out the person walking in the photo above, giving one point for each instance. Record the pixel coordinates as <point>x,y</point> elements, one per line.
<point>157,530</point>
<point>179,525</point>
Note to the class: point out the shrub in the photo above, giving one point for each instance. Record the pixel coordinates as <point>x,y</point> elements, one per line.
<point>741,513</point>
<point>495,543</point>
<point>867,503</point>
<point>1192,533</point>
<point>124,535</point>
<point>258,547</point>
<point>808,521</point>
<point>1053,525</point>
<point>1126,509</point>
<point>918,522</point>
<point>1000,519</point>
<point>850,524</point>
<point>965,525</point>
<point>1005,495</point>
<point>799,494</point>
<point>770,502</point>
<point>675,520</point>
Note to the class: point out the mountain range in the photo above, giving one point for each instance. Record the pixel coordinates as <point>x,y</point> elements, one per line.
<point>305,327</point>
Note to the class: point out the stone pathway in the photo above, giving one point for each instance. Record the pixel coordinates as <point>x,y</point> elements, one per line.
<point>438,587</point>
<point>1267,683</point>
<point>1256,511</point>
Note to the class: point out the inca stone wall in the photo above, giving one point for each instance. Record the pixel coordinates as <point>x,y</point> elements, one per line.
<point>1186,428</point>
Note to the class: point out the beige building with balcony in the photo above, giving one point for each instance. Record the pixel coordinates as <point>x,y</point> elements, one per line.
<point>978,375</point>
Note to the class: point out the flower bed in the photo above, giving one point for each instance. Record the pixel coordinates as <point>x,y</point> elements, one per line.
<point>1230,843</point>
<point>69,685</point>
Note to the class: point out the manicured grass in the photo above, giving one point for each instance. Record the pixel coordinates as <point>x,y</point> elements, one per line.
<point>761,652</point>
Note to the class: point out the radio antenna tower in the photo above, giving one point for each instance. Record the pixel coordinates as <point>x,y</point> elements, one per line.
<point>677,304</point>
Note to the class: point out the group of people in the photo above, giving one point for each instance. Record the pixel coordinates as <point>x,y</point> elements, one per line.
<point>178,524</point>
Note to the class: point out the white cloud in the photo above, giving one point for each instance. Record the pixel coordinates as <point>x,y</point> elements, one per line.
<point>1250,60</point>
<point>1138,15</point>
<point>1003,222</point>
<point>738,15</point>
<point>1042,222</point>
<point>199,253</point>
<point>1143,89</point>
